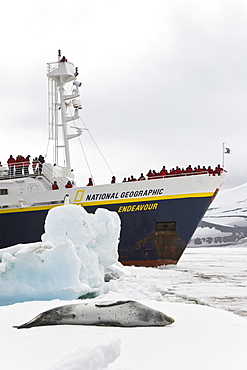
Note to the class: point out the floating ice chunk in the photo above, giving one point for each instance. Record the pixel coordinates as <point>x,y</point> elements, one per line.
<point>70,261</point>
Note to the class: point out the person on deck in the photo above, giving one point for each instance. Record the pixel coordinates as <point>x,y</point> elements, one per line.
<point>142,177</point>
<point>177,171</point>
<point>155,175</point>
<point>218,170</point>
<point>63,59</point>
<point>113,180</point>
<point>163,172</point>
<point>132,178</point>
<point>211,171</point>
<point>150,175</point>
<point>19,165</point>
<point>189,170</point>
<point>68,185</point>
<point>55,186</point>
<point>199,169</point>
<point>41,160</point>
<point>34,165</point>
<point>26,164</point>
<point>11,165</point>
<point>90,182</point>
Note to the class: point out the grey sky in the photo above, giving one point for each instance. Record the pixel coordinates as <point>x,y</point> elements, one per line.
<point>164,82</point>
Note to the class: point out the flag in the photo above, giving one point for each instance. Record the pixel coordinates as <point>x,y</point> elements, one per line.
<point>228,151</point>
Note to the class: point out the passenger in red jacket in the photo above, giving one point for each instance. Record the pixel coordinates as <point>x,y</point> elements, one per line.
<point>155,175</point>
<point>90,182</point>
<point>55,186</point>
<point>218,170</point>
<point>198,168</point>
<point>150,175</point>
<point>163,172</point>
<point>11,165</point>
<point>68,185</point>
<point>26,164</point>
<point>19,165</point>
<point>189,170</point>
<point>177,171</point>
<point>172,171</point>
<point>211,171</point>
<point>132,178</point>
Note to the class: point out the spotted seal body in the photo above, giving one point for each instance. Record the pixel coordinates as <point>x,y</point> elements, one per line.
<point>120,313</point>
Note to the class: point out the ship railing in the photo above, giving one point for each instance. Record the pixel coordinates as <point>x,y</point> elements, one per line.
<point>51,174</point>
<point>21,169</point>
<point>51,66</point>
<point>14,172</point>
<point>182,174</point>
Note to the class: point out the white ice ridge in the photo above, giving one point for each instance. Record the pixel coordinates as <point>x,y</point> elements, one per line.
<point>69,262</point>
<point>97,358</point>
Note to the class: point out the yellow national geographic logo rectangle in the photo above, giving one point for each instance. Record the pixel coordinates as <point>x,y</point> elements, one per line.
<point>79,195</point>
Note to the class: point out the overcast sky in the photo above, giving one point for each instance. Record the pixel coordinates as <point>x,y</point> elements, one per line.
<point>164,82</point>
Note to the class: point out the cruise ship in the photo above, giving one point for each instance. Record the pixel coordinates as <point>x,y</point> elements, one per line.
<point>158,215</point>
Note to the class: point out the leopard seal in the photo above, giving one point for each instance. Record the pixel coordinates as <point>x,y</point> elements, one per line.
<point>119,313</point>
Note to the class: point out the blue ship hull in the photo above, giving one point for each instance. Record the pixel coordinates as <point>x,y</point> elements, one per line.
<point>152,233</point>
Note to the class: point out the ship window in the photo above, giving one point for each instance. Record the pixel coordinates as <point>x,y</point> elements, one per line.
<point>166,226</point>
<point>3,191</point>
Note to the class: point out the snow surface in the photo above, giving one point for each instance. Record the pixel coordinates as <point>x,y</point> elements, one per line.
<point>225,222</point>
<point>202,337</point>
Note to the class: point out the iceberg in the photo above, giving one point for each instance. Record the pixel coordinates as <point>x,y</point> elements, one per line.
<point>68,263</point>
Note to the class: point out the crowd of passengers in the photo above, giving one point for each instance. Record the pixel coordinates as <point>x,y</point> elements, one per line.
<point>175,172</point>
<point>151,175</point>
<point>20,165</point>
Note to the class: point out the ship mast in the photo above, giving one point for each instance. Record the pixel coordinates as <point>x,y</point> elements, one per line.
<point>59,74</point>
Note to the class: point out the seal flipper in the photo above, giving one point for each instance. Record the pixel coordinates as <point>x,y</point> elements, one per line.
<point>34,322</point>
<point>50,317</point>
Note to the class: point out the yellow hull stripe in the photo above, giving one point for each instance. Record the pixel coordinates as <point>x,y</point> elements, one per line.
<point>115,201</point>
<point>28,209</point>
<point>147,199</point>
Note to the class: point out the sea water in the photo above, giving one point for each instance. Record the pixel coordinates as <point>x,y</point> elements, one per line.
<point>213,276</point>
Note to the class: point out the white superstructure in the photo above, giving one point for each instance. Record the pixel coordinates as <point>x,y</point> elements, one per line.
<point>61,105</point>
